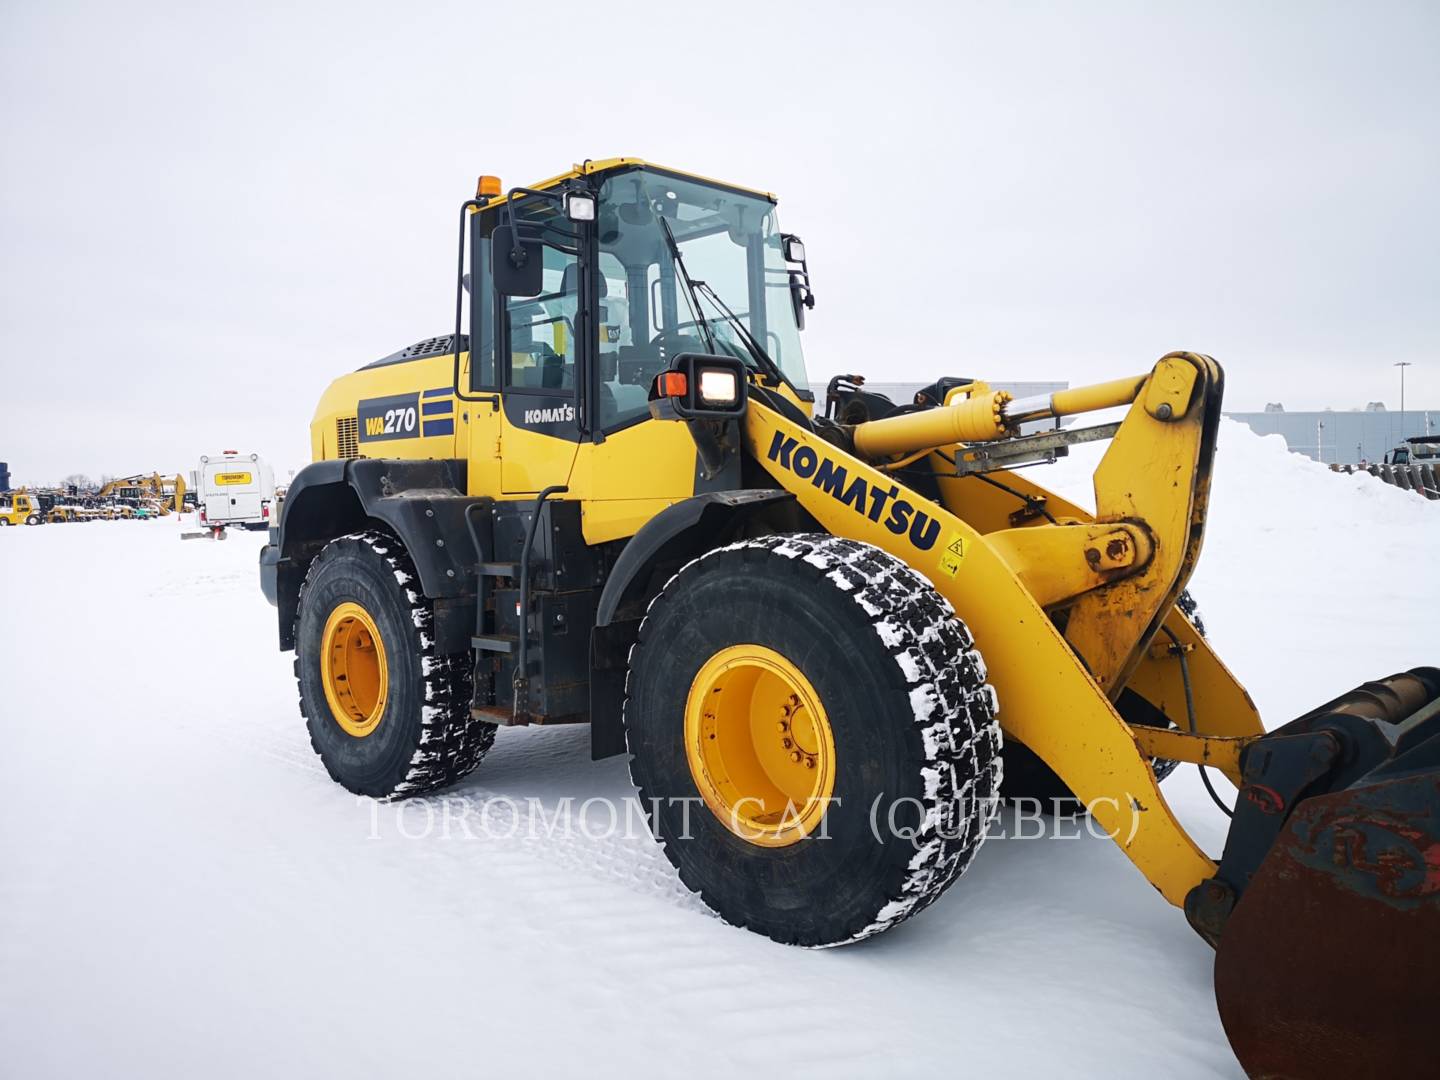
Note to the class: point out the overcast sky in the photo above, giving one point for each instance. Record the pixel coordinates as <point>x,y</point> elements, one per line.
<point>209,211</point>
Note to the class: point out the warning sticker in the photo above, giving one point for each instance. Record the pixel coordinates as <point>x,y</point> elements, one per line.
<point>951,557</point>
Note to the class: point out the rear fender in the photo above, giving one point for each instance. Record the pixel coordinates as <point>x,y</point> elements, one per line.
<point>421,502</point>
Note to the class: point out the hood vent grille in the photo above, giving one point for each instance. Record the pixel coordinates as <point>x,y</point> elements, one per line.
<point>347,436</point>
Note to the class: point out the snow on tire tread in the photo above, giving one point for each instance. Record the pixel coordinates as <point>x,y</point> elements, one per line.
<point>952,704</point>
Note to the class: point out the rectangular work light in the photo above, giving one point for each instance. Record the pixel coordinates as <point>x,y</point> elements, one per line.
<point>700,387</point>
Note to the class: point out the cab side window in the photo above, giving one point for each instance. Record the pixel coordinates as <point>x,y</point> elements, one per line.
<point>538,348</point>
<point>541,329</point>
<point>482,312</point>
<point>624,345</point>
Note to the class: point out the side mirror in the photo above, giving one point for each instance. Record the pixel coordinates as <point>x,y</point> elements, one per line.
<point>517,264</point>
<point>799,294</point>
<point>802,299</point>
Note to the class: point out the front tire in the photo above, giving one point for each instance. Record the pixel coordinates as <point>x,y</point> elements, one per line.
<point>388,715</point>
<point>898,730</point>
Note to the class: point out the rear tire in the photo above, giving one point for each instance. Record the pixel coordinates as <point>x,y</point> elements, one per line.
<point>903,690</point>
<point>422,737</point>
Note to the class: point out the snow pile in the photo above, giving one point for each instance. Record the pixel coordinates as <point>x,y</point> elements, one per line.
<point>1258,476</point>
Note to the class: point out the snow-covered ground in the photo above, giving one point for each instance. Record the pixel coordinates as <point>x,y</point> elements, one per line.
<point>184,892</point>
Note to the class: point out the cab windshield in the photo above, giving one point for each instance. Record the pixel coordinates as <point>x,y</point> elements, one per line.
<point>729,245</point>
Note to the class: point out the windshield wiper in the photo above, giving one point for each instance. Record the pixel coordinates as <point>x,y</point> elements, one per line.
<point>696,289</point>
<point>692,301</point>
<point>757,353</point>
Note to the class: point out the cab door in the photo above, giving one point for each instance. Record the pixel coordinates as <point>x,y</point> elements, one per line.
<point>478,435</point>
<point>539,363</point>
<point>523,417</point>
<point>639,466</point>
<point>477,438</point>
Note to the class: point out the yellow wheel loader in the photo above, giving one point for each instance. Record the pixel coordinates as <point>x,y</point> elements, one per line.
<point>822,634</point>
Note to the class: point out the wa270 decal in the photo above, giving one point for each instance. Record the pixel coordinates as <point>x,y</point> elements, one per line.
<point>396,417</point>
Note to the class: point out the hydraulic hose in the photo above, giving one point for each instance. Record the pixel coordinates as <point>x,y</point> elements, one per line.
<point>1190,716</point>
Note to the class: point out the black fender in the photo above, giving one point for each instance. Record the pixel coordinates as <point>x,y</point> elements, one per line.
<point>422,502</point>
<point>665,543</point>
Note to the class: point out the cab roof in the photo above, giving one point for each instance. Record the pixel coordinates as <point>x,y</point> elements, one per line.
<point>604,165</point>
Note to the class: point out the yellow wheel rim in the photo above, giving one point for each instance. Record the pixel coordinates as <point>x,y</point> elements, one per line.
<point>759,745</point>
<point>353,669</point>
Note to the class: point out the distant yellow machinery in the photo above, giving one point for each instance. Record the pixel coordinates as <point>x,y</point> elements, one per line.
<point>64,513</point>
<point>614,501</point>
<point>126,498</point>
<point>20,508</point>
<point>167,495</point>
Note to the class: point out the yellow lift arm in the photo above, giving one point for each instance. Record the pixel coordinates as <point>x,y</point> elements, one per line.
<point>1066,613</point>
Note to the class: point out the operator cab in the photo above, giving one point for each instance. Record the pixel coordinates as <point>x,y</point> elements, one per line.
<point>657,263</point>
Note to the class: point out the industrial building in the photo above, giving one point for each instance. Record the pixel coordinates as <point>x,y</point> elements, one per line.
<point>1346,438</point>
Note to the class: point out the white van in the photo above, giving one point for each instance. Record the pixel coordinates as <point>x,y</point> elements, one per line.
<point>235,489</point>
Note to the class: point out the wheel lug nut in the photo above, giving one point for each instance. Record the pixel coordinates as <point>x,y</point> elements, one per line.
<point>783,725</point>
<point>786,743</point>
<point>795,756</point>
<point>809,763</point>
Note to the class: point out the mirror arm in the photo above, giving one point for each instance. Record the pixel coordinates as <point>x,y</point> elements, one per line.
<point>517,253</point>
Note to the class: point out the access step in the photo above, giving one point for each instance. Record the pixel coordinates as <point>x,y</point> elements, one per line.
<point>495,643</point>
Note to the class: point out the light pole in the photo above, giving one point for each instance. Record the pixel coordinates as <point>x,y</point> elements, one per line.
<point>1402,365</point>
